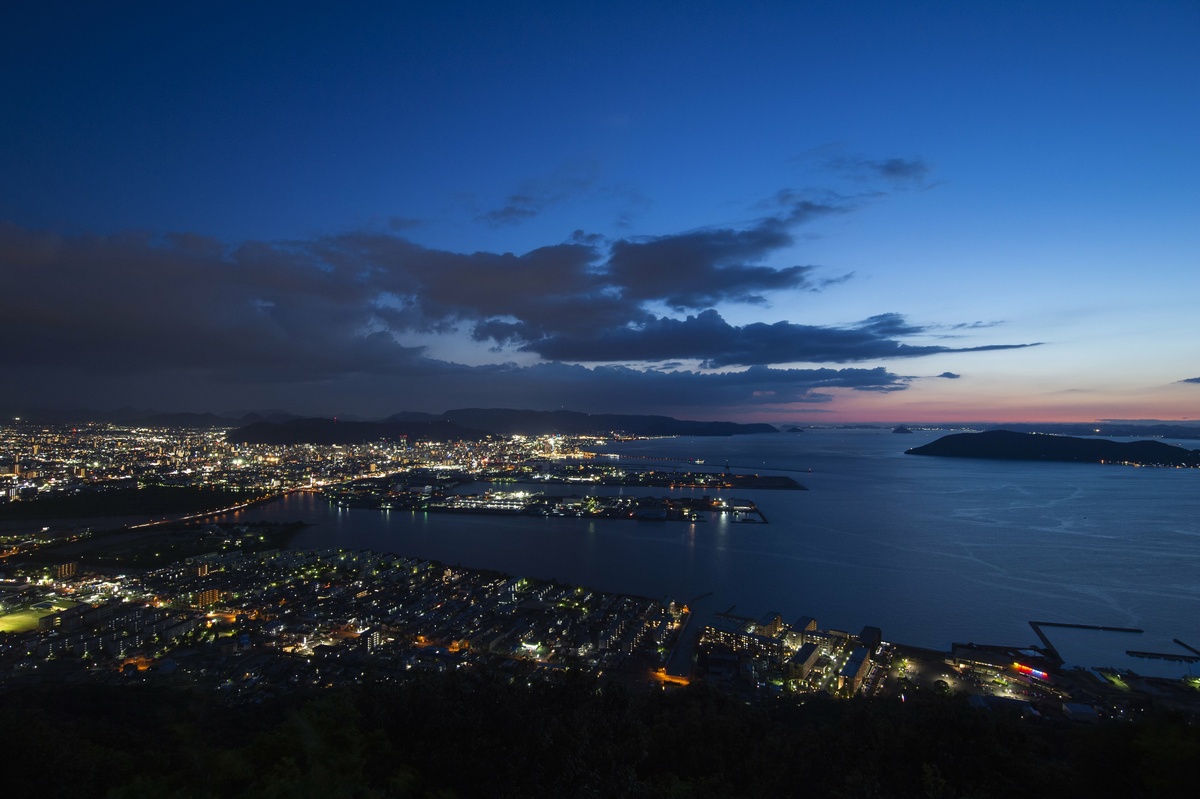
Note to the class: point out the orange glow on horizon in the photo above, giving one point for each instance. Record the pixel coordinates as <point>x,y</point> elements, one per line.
<point>925,405</point>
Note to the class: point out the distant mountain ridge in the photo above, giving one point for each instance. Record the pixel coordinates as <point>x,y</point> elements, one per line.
<point>332,431</point>
<point>1109,429</point>
<point>472,424</point>
<point>563,422</point>
<point>153,418</point>
<point>1010,445</point>
<point>507,422</point>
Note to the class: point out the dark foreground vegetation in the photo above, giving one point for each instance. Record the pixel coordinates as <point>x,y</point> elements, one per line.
<point>456,736</point>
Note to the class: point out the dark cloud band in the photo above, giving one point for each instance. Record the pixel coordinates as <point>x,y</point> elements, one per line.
<point>137,312</point>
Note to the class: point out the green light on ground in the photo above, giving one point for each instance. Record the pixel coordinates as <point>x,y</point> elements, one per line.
<point>22,621</point>
<point>1115,680</point>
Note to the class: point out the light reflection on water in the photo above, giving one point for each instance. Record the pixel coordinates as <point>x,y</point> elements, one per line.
<point>931,550</point>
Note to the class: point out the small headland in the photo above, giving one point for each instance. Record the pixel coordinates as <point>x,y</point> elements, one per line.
<point>1007,445</point>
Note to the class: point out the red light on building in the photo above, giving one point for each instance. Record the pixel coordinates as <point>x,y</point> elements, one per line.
<point>1023,669</point>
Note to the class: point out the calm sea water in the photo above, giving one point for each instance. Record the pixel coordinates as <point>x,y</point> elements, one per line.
<point>931,550</point>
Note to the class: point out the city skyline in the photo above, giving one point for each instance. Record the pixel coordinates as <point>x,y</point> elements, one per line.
<point>807,214</point>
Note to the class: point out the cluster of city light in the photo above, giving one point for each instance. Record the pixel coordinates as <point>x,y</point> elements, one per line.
<point>1032,672</point>
<point>37,459</point>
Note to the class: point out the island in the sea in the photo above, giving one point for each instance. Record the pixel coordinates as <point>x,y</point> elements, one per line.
<point>1007,445</point>
<point>537,503</point>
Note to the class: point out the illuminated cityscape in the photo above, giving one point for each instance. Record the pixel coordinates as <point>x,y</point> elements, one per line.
<point>37,459</point>
<point>599,400</point>
<point>230,606</point>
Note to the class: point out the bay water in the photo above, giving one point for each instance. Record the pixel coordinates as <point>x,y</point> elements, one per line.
<point>931,550</point>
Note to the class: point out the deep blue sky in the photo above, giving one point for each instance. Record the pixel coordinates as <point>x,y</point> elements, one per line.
<point>786,211</point>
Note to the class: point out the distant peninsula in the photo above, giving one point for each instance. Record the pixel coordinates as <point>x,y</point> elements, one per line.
<point>1007,445</point>
<point>1109,429</point>
<point>472,424</point>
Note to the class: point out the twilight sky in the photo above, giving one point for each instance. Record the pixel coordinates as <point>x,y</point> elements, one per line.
<point>800,212</point>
